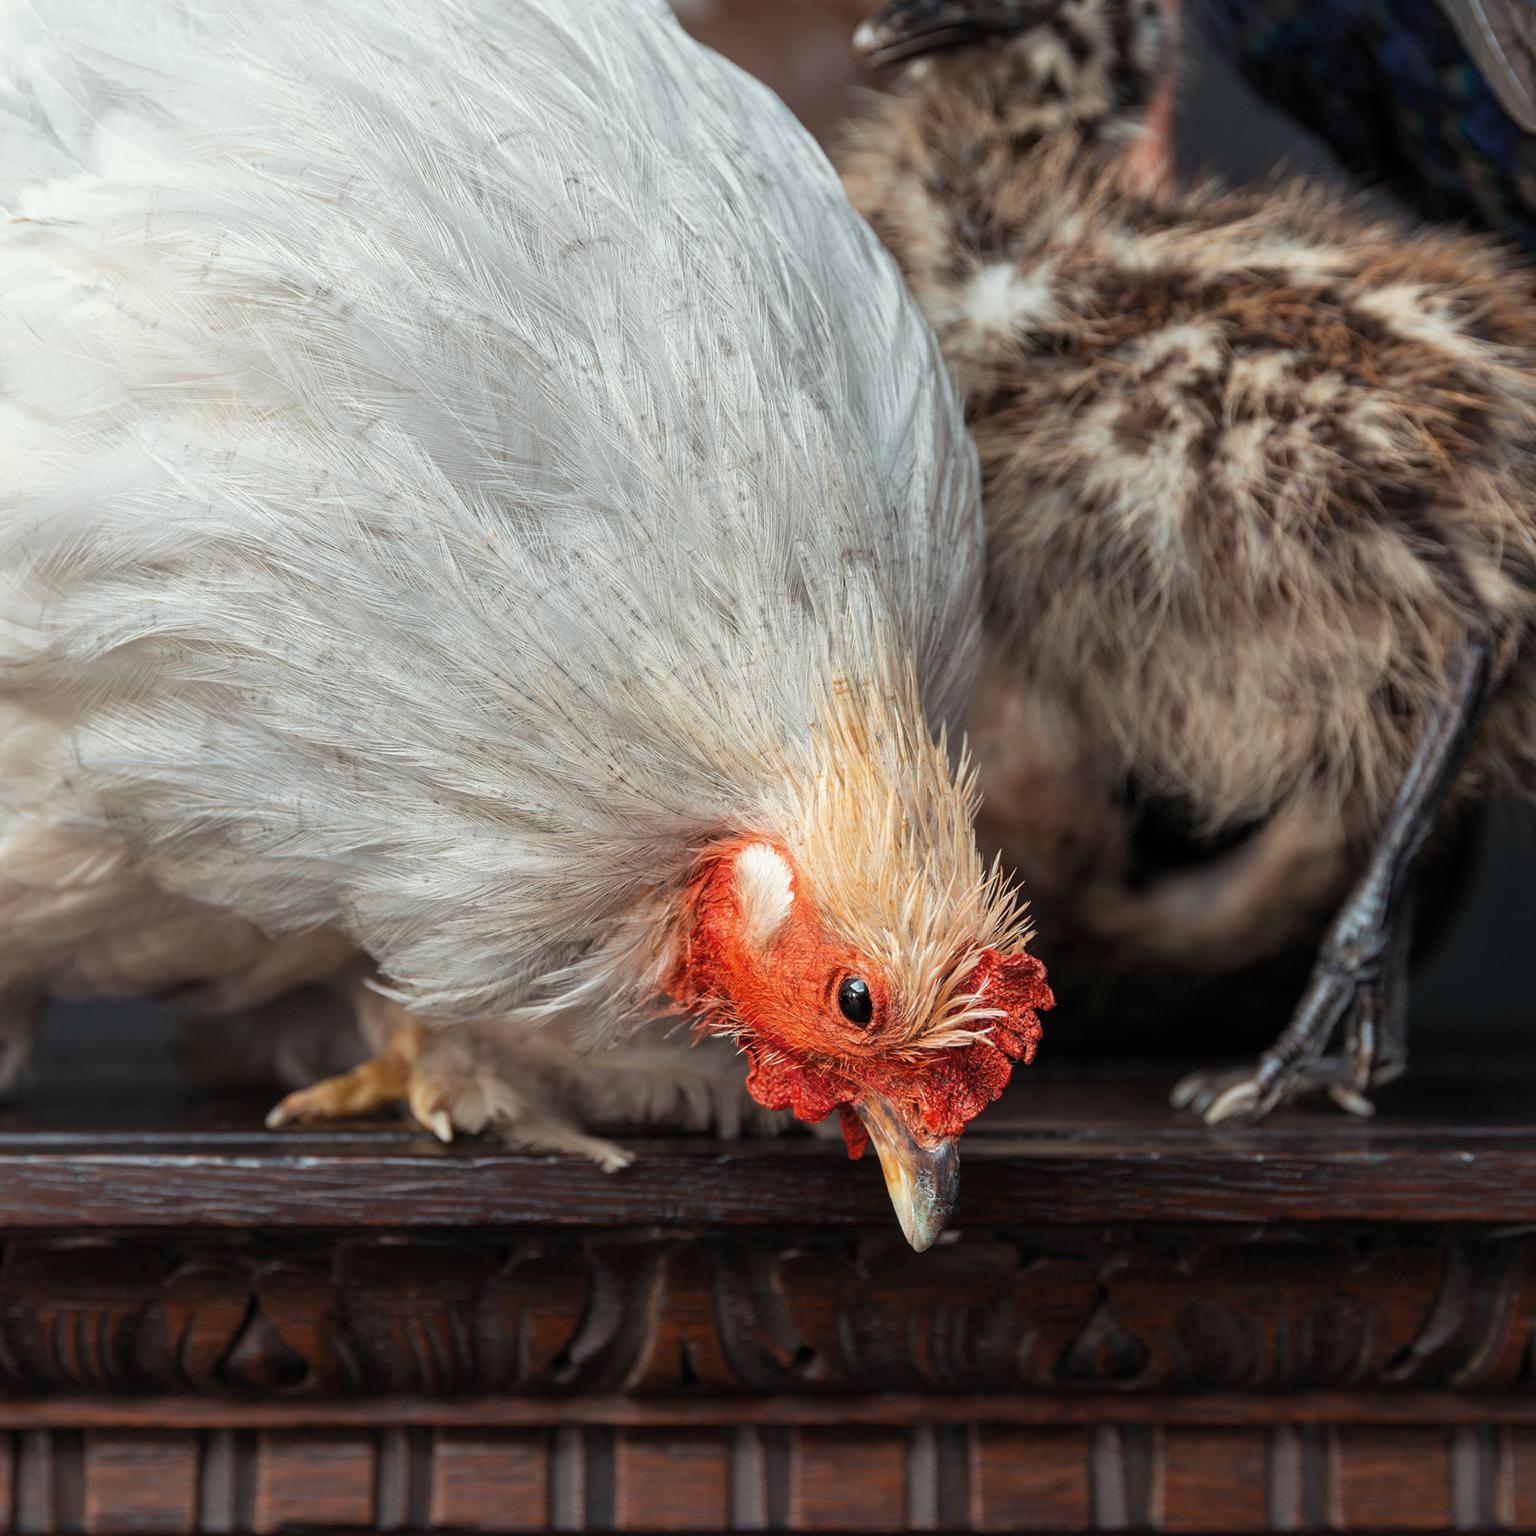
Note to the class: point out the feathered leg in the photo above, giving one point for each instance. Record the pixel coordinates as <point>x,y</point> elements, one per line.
<point>1360,978</point>
<point>533,1091</point>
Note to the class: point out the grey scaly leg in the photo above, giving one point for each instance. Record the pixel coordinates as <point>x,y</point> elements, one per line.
<point>1360,978</point>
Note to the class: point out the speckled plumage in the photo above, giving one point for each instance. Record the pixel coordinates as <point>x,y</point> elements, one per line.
<point>1255,465</point>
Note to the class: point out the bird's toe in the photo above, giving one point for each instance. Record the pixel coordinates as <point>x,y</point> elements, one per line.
<point>1237,1101</point>
<point>1351,1100</point>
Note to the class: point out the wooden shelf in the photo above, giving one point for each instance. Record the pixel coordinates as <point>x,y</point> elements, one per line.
<point>1450,1146</point>
<point>1135,1322</point>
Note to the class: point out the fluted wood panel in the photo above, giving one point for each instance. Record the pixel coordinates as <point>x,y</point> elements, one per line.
<point>1516,1488</point>
<point>308,1479</point>
<point>877,1478</point>
<point>139,1480</point>
<point>1029,1479</point>
<point>849,1479</point>
<point>1391,1478</point>
<point>1212,1480</point>
<point>484,1480</point>
<point>672,1480</point>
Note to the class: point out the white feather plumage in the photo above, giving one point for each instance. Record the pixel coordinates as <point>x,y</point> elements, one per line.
<point>455,452</point>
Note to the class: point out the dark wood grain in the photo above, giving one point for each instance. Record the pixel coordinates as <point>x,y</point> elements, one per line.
<point>138,1148</point>
<point>432,1316</point>
<point>487,1480</point>
<point>320,1478</point>
<point>672,1480</point>
<point>1372,1478</point>
<point>855,1476</point>
<point>1513,1414</point>
<point>1134,1324</point>
<point>385,1180</point>
<point>139,1481</point>
<point>1212,1479</point>
<point>1029,1479</point>
<point>848,1479</point>
<point>1396,1479</point>
<point>1514,1493</point>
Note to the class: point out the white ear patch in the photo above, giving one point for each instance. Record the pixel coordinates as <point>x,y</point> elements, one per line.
<point>765,891</point>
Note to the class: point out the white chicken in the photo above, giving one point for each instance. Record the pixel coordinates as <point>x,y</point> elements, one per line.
<point>477,498</point>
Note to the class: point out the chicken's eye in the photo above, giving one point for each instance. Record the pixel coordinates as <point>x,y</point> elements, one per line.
<point>853,997</point>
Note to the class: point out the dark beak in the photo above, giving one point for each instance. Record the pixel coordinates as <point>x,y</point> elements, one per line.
<point>923,1177</point>
<point>908,29</point>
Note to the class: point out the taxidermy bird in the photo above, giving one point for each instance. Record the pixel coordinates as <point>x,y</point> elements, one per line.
<point>1258,477</point>
<point>1432,100</point>
<point>481,507</point>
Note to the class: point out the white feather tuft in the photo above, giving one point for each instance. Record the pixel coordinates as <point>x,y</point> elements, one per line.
<point>765,890</point>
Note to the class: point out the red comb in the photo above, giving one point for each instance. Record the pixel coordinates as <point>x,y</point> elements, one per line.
<point>1017,985</point>
<point>960,1084</point>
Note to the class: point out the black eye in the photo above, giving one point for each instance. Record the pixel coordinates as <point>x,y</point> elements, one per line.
<point>854,999</point>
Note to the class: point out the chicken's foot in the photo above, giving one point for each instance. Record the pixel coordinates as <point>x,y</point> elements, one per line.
<point>1360,980</point>
<point>444,1088</point>
<point>384,1082</point>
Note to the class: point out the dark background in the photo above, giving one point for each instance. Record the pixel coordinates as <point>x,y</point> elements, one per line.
<point>1480,986</point>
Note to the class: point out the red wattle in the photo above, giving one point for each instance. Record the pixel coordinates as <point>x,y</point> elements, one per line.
<point>855,1134</point>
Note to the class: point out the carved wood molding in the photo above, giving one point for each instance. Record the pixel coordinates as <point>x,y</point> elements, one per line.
<point>562,1314</point>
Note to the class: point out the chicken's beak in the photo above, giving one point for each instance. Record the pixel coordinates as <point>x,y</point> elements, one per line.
<point>907,29</point>
<point>923,1176</point>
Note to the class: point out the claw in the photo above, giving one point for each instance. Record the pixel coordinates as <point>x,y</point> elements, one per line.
<point>1281,1076</point>
<point>429,1108</point>
<point>1239,1100</point>
<point>1352,1101</point>
<point>1185,1090</point>
<point>283,1113</point>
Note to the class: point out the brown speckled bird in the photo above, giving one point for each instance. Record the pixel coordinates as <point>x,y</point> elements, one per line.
<point>1259,474</point>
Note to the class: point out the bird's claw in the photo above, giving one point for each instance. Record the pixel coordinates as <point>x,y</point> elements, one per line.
<point>1217,1097</point>
<point>429,1109</point>
<point>1351,996</point>
<point>285,1112</point>
<point>1238,1101</point>
<point>1351,1100</point>
<point>1248,1094</point>
<point>614,1159</point>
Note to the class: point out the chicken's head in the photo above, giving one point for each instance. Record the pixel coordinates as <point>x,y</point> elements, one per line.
<point>907,1046</point>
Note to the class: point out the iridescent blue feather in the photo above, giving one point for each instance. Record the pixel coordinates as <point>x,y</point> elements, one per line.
<point>1390,87</point>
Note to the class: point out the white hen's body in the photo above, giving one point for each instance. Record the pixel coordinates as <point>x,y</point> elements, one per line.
<point>455,452</point>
